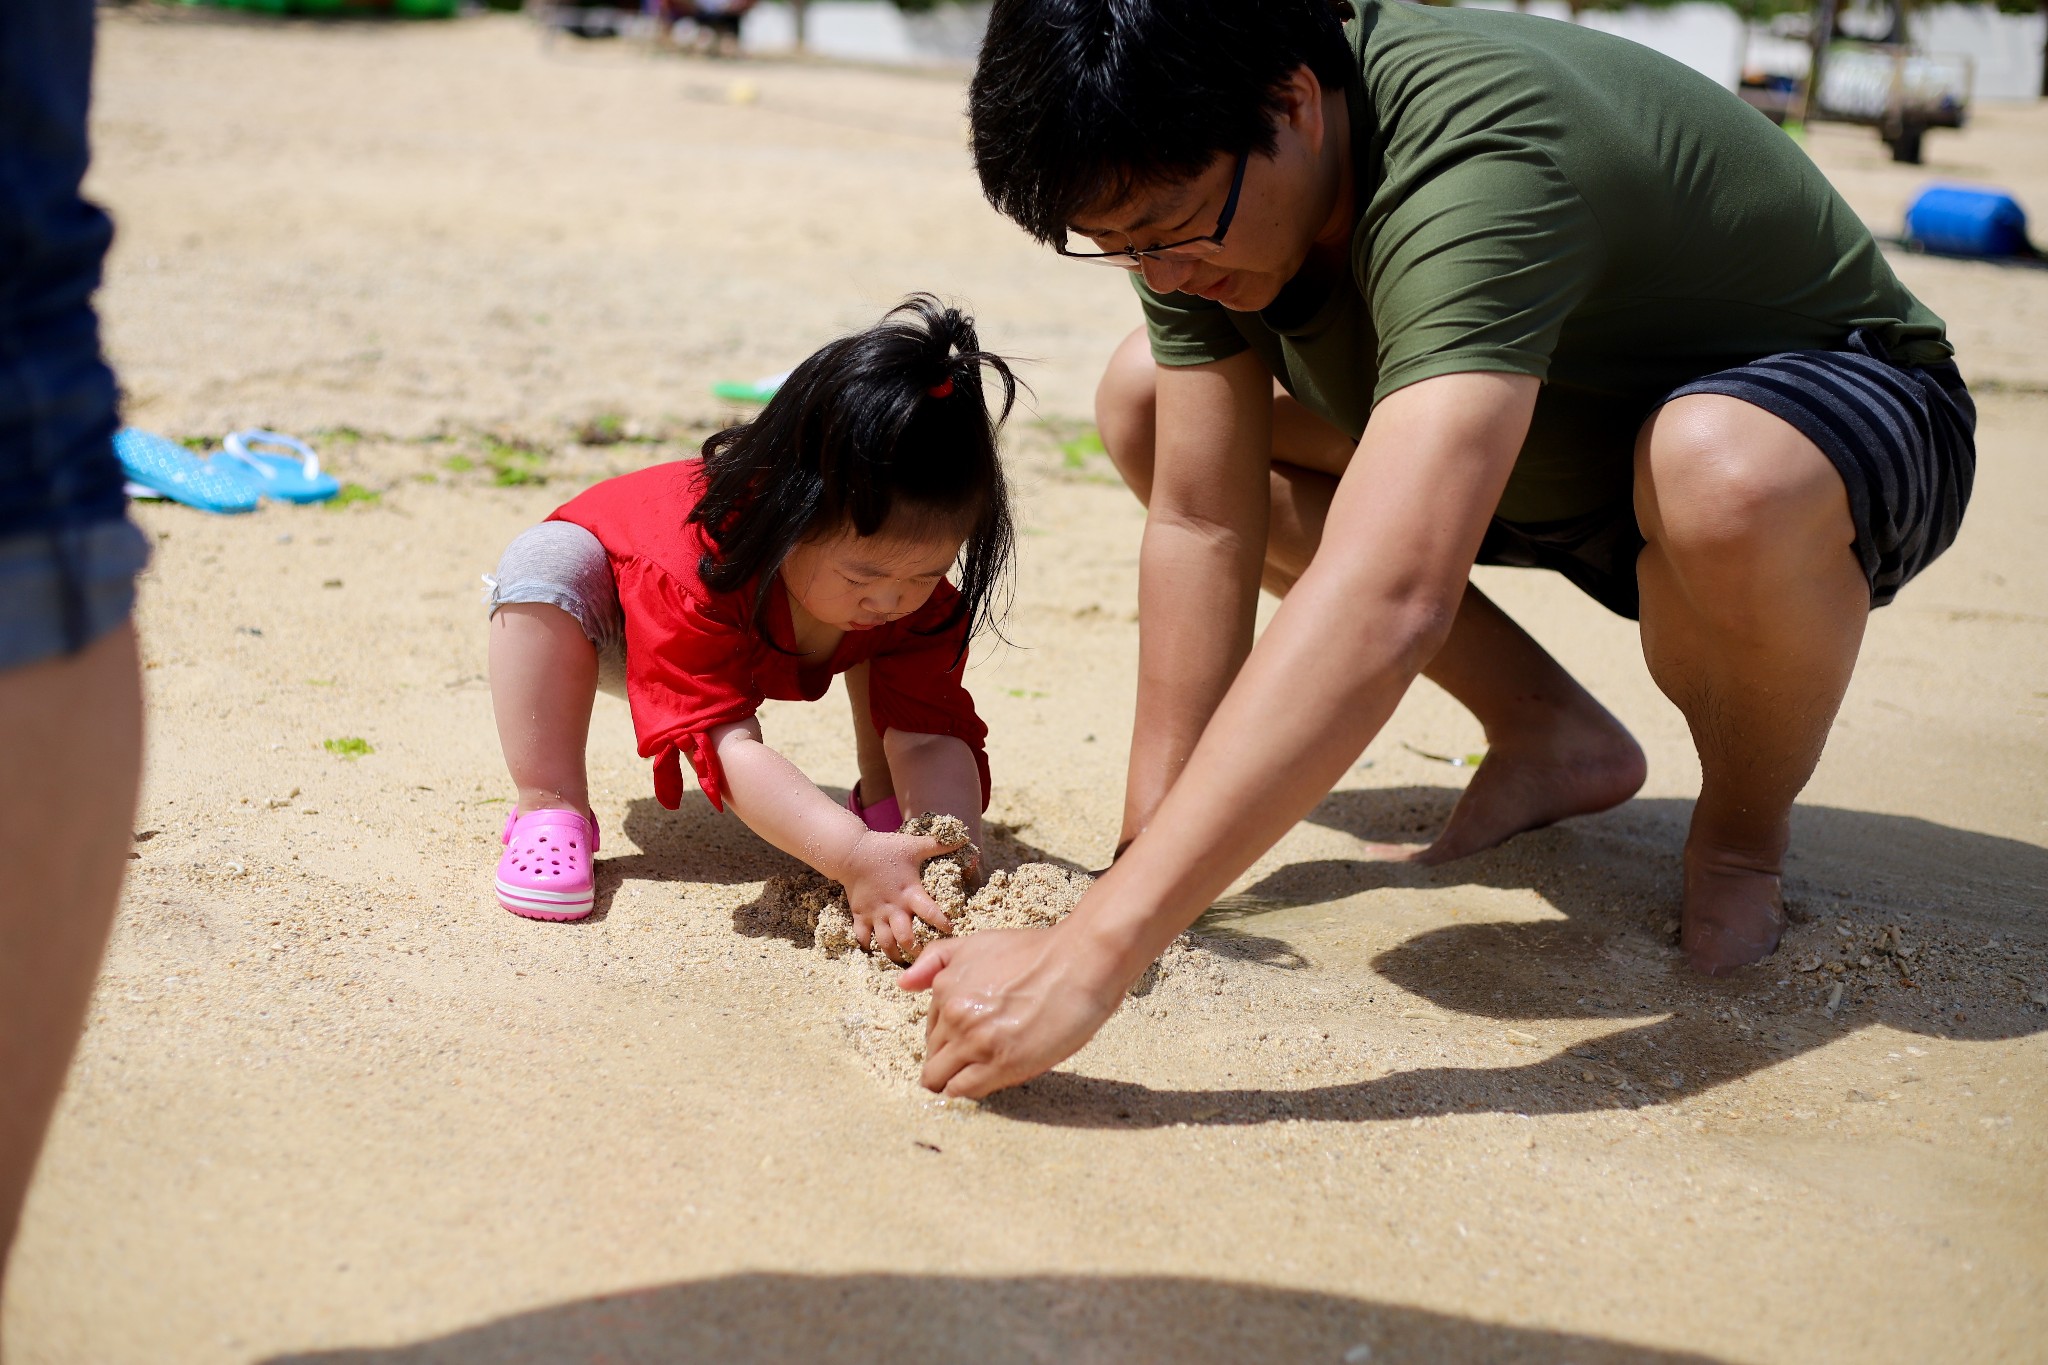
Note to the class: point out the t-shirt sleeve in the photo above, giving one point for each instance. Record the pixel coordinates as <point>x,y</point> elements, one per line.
<point>916,684</point>
<point>1474,261</point>
<point>1185,329</point>
<point>688,671</point>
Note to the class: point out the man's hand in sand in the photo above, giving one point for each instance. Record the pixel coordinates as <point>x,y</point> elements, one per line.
<point>884,881</point>
<point>1008,1005</point>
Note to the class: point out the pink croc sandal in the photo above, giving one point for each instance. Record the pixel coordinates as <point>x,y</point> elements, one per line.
<point>884,817</point>
<point>545,873</point>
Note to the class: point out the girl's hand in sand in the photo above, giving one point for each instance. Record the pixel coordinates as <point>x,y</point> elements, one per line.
<point>884,880</point>
<point>1008,1005</point>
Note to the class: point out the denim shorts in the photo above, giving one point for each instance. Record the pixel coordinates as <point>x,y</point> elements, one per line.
<point>61,590</point>
<point>68,554</point>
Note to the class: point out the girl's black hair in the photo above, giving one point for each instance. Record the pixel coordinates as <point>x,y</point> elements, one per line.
<point>891,421</point>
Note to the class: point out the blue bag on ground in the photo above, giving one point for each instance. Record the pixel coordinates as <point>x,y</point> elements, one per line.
<point>1957,220</point>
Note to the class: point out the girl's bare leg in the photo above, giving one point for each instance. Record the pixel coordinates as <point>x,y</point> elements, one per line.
<point>543,682</point>
<point>875,782</point>
<point>76,724</point>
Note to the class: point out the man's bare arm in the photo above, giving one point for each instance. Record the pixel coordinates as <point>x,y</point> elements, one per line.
<point>1359,625</point>
<point>1198,571</point>
<point>1372,609</point>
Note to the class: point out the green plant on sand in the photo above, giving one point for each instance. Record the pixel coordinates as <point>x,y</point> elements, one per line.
<point>1075,453</point>
<point>351,494</point>
<point>513,465</point>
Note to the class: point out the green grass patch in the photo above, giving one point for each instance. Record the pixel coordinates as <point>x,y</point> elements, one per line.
<point>605,429</point>
<point>458,464</point>
<point>513,465</point>
<point>1076,453</point>
<point>352,746</point>
<point>353,493</point>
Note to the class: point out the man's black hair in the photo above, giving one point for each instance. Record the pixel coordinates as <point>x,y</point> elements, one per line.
<point>888,422</point>
<point>1077,103</point>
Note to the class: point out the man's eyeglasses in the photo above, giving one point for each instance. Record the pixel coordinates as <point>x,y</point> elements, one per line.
<point>1191,249</point>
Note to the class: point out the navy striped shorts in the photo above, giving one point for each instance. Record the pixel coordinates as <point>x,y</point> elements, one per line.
<point>1903,438</point>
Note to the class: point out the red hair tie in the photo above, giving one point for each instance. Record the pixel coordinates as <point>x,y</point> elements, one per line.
<point>942,389</point>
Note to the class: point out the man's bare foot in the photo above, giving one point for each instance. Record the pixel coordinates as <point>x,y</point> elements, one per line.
<point>1582,762</point>
<point>1734,911</point>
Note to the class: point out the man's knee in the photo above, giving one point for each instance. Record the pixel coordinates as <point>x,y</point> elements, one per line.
<point>1723,487</point>
<point>1126,411</point>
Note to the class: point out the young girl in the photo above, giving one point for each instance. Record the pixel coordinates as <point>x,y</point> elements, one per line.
<point>812,541</point>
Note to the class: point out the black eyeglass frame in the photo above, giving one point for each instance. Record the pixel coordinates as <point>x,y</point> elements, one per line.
<point>1212,239</point>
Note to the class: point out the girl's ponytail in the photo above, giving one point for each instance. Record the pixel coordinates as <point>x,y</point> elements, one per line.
<point>889,426</point>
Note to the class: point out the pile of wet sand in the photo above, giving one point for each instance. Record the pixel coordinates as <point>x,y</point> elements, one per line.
<point>885,1023</point>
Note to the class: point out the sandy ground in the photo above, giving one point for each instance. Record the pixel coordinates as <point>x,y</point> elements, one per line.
<point>334,1106</point>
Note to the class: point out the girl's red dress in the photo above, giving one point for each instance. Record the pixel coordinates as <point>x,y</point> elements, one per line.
<point>694,660</point>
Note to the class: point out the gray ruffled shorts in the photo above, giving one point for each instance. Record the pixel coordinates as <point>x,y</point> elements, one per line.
<point>562,565</point>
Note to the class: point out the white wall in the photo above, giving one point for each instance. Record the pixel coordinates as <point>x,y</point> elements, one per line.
<point>869,31</point>
<point>2005,47</point>
<point>1707,37</point>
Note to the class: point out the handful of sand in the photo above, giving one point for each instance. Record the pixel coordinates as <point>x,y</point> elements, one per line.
<point>805,904</point>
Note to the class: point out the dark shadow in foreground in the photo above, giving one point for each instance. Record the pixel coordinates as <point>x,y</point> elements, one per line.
<point>1038,1318</point>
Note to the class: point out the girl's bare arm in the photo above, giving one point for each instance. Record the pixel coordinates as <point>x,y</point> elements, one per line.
<point>882,873</point>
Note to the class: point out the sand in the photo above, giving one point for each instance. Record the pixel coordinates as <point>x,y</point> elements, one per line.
<point>885,1024</point>
<point>335,1106</point>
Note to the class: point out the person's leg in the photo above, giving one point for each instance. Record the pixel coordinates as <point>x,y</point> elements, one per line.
<point>76,723</point>
<point>1553,750</point>
<point>555,622</point>
<point>1753,612</point>
<point>876,783</point>
<point>543,682</point>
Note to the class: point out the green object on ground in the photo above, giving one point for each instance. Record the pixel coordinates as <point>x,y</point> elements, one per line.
<point>760,391</point>
<point>351,747</point>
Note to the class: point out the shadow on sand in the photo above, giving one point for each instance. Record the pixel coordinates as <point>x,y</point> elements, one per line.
<point>702,845</point>
<point>698,844</point>
<point>825,1318</point>
<point>1679,1034</point>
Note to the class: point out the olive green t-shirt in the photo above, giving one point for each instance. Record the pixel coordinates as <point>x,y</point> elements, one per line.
<point>1537,198</point>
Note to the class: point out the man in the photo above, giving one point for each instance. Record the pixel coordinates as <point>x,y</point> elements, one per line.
<point>1531,295</point>
<point>70,689</point>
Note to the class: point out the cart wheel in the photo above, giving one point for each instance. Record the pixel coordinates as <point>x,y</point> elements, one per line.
<point>1905,144</point>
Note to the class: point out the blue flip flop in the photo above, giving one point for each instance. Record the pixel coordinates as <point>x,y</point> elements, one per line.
<point>169,470</point>
<point>289,478</point>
